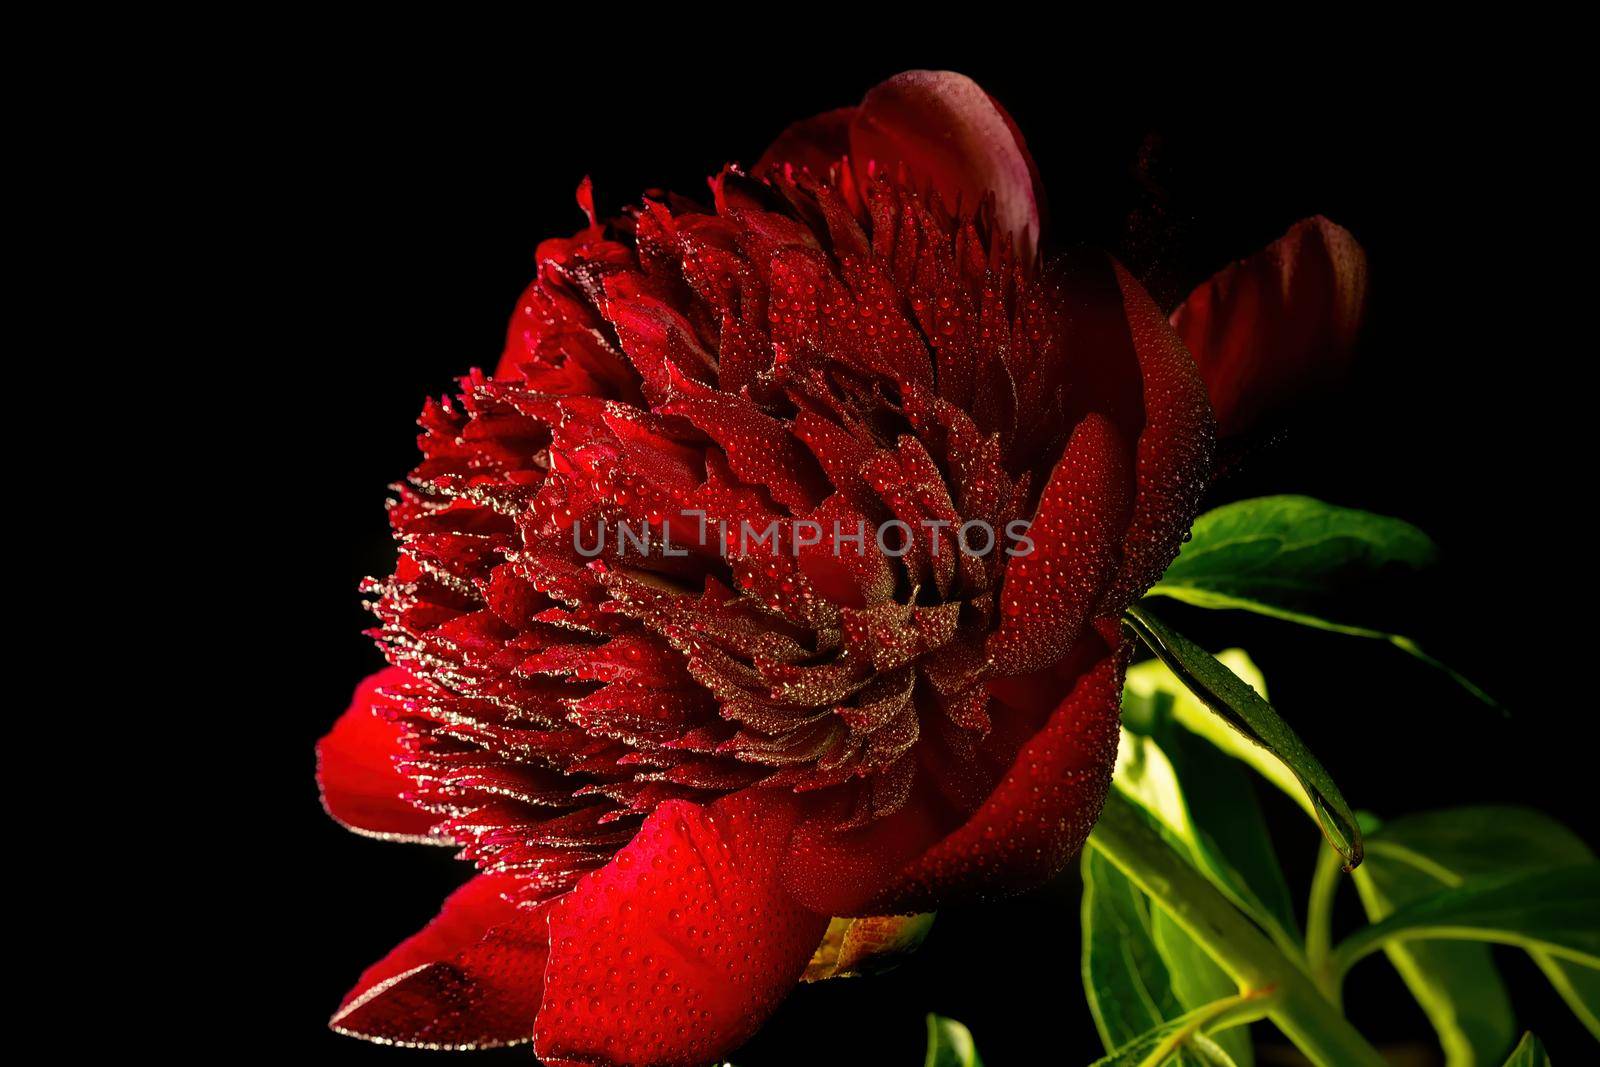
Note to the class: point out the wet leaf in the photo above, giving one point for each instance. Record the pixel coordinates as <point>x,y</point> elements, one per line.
<point>1235,703</point>
<point>1201,796</point>
<point>1297,558</point>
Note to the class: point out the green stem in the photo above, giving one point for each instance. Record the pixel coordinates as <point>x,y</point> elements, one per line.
<point>1220,1015</point>
<point>1242,950</point>
<point>1319,922</point>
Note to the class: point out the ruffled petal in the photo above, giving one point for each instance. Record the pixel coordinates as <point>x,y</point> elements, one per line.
<point>356,773</point>
<point>471,978</point>
<point>1270,330</point>
<point>948,131</point>
<point>678,950</point>
<point>1039,815</point>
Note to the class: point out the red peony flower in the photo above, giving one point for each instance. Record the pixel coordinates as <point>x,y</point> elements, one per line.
<point>673,758</point>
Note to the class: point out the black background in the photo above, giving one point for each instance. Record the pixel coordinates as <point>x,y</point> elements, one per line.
<point>398,208</point>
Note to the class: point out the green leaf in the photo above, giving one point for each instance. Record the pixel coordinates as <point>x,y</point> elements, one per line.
<point>1457,986</point>
<point>1243,709</point>
<point>1127,836</point>
<point>1202,798</point>
<point>1204,806</point>
<point>1529,1053</point>
<point>1296,558</point>
<point>1198,719</point>
<point>1124,977</point>
<point>950,1044</point>
<point>1579,987</point>
<point>1287,552</point>
<point>1458,845</point>
<point>1197,980</point>
<point>1456,982</point>
<point>1140,969</point>
<point>1550,911</point>
<point>1191,1033</point>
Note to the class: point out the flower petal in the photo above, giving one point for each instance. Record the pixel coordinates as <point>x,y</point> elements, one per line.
<point>815,144</point>
<point>1175,450</point>
<point>471,978</point>
<point>869,945</point>
<point>1047,593</point>
<point>1039,815</point>
<point>356,773</point>
<point>676,951</point>
<point>837,871</point>
<point>949,132</point>
<point>1270,330</point>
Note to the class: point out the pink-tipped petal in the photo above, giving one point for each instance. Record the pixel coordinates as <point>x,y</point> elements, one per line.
<point>946,130</point>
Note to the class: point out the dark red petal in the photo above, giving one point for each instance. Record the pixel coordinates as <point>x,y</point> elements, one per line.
<point>676,951</point>
<point>815,144</point>
<point>1270,330</point>
<point>1039,815</point>
<point>471,978</point>
<point>1175,451</point>
<point>837,872</point>
<point>949,132</point>
<point>1048,592</point>
<point>356,772</point>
